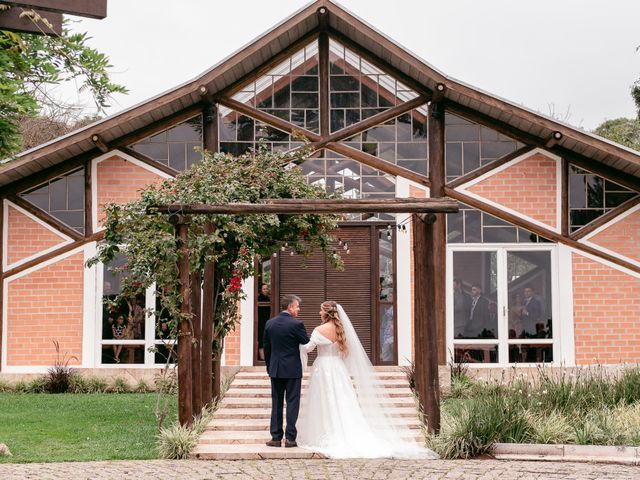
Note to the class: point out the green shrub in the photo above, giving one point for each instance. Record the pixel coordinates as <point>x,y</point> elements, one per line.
<point>166,383</point>
<point>5,386</point>
<point>37,385</point>
<point>142,386</point>
<point>119,385</point>
<point>176,442</point>
<point>21,387</point>
<point>551,428</point>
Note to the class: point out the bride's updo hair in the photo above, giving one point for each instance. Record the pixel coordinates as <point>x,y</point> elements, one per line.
<point>330,314</point>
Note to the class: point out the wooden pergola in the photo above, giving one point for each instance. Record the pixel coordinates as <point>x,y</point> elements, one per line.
<point>195,386</point>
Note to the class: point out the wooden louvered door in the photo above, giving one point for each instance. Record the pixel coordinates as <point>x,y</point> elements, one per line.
<point>319,281</point>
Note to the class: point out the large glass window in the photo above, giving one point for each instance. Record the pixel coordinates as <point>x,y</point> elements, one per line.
<point>175,147</point>
<point>469,146</point>
<point>62,197</point>
<point>386,303</point>
<point>591,196</point>
<point>263,303</point>
<point>501,306</point>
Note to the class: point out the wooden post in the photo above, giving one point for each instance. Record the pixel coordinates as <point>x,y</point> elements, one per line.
<point>425,338</point>
<point>196,346</point>
<point>185,403</point>
<point>206,354</point>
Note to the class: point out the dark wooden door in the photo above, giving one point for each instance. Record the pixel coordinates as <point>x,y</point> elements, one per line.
<point>315,280</point>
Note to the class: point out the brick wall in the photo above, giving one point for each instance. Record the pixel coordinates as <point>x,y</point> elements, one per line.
<point>528,187</point>
<point>27,237</point>
<point>622,237</point>
<point>120,181</point>
<point>606,305</point>
<point>232,347</point>
<point>43,306</point>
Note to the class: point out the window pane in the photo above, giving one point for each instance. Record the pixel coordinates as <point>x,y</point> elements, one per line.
<point>475,295</point>
<point>531,353</point>
<point>476,353</point>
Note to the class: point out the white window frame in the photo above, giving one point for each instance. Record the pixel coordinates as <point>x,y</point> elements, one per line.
<point>503,341</point>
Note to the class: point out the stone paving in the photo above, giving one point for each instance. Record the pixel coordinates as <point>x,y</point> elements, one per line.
<point>319,469</point>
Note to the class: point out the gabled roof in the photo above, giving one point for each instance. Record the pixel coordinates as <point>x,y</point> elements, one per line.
<point>295,29</point>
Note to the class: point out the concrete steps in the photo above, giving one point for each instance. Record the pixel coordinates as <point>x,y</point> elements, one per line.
<point>240,427</point>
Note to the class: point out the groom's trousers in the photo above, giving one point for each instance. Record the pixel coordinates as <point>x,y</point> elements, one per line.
<point>281,388</point>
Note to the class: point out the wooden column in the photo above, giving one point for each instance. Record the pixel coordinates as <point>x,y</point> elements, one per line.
<point>196,346</point>
<point>88,200</point>
<point>185,401</point>
<point>323,76</point>
<point>206,351</point>
<point>425,340</point>
<point>437,231</point>
<point>2,220</point>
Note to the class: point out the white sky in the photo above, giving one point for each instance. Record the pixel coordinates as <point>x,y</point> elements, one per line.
<point>576,56</point>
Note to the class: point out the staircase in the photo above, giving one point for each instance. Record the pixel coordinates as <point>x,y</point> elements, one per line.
<point>240,427</point>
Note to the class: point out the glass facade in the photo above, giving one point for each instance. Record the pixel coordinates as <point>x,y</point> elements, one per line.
<point>62,197</point>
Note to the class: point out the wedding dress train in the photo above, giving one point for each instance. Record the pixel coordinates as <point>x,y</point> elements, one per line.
<point>344,413</point>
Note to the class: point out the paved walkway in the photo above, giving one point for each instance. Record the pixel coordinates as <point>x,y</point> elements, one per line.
<point>319,469</point>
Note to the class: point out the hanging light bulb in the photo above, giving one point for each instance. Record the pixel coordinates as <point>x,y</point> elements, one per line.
<point>348,251</point>
<point>275,254</point>
<point>292,253</point>
<point>339,241</point>
<point>286,244</point>
<point>389,235</point>
<point>282,248</point>
<point>346,246</point>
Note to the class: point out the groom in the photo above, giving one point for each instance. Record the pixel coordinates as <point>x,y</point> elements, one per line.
<point>283,335</point>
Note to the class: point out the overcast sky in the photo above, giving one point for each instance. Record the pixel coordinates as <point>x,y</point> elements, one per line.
<point>575,56</point>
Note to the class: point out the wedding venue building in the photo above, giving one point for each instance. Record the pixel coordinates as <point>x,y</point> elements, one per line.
<point>540,265</point>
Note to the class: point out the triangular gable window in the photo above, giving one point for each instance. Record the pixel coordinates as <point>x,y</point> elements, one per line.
<point>176,146</point>
<point>288,91</point>
<point>62,198</point>
<point>591,196</point>
<point>470,146</point>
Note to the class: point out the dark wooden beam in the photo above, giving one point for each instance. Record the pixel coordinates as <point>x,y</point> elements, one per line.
<point>301,206</point>
<point>375,162</point>
<point>99,142</point>
<point>267,118</point>
<point>425,334</point>
<point>38,22</point>
<point>564,197</point>
<point>210,119</point>
<point>96,237</point>
<point>538,230</point>
<point>437,231</point>
<point>149,161</point>
<point>553,140</point>
<point>81,8</point>
<point>46,217</point>
<point>206,353</point>
<point>2,220</point>
<point>196,345</point>
<point>323,78</point>
<point>488,167</point>
<point>185,380</point>
<point>88,199</point>
<point>606,218</point>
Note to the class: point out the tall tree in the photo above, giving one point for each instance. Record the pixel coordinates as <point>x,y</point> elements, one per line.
<point>30,63</point>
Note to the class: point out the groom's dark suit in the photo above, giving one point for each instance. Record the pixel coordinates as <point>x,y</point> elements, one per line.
<point>283,335</point>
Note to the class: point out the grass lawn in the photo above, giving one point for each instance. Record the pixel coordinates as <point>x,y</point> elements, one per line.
<point>79,427</point>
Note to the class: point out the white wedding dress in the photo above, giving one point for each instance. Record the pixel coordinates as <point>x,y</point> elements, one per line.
<point>345,411</point>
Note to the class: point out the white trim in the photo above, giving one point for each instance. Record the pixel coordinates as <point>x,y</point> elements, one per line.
<point>464,188</point>
<point>66,240</point>
<point>585,240</point>
<point>567,354</point>
<point>403,280</point>
<point>246,322</point>
<point>94,179</point>
<point>606,262</point>
<point>89,308</point>
<point>5,307</point>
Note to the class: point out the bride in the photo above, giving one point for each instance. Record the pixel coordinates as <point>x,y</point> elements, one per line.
<point>344,413</point>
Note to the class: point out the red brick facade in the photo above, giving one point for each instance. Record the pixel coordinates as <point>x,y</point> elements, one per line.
<point>120,181</point>
<point>26,237</point>
<point>528,187</point>
<point>622,237</point>
<point>606,311</point>
<point>43,306</point>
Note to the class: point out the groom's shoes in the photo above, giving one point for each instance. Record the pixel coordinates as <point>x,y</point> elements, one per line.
<point>274,443</point>
<point>290,443</point>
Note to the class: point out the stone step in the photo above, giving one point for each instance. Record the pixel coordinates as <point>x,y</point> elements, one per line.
<point>254,424</point>
<point>263,375</point>
<point>379,368</point>
<point>249,452</point>
<point>265,413</point>
<point>260,436</point>
<point>393,392</point>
